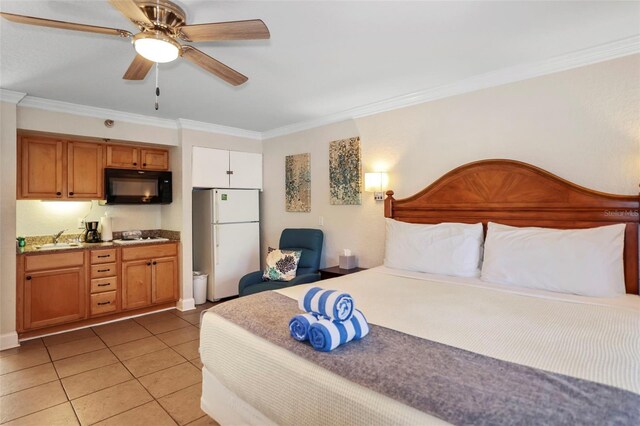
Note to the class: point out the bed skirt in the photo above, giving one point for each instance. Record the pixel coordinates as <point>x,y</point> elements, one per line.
<point>226,407</point>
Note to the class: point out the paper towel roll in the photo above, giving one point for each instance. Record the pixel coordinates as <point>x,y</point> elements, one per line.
<point>105,224</point>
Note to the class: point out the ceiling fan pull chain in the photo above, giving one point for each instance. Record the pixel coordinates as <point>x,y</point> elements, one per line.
<point>157,86</point>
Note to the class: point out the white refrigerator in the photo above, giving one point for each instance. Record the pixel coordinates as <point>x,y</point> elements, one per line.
<point>226,237</point>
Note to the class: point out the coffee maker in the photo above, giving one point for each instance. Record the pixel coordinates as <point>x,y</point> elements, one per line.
<point>91,234</point>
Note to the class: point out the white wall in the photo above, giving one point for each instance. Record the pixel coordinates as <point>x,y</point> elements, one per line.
<point>35,217</point>
<point>71,124</point>
<point>582,124</point>
<point>8,336</point>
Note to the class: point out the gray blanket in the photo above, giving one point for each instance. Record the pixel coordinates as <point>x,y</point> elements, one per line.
<point>455,385</point>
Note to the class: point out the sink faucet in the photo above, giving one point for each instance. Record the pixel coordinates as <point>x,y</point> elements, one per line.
<point>56,236</point>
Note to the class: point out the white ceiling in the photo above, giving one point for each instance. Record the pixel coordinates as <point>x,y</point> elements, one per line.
<point>323,57</point>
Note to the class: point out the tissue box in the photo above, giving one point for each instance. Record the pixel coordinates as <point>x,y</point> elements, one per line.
<point>347,262</point>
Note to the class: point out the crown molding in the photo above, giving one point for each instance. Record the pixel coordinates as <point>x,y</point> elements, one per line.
<point>104,113</point>
<point>216,128</point>
<point>10,96</point>
<point>601,53</point>
<point>95,112</point>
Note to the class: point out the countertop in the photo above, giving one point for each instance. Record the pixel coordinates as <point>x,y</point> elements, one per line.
<point>31,249</point>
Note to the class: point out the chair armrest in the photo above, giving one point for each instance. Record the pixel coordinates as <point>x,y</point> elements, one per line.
<point>304,279</point>
<point>249,280</point>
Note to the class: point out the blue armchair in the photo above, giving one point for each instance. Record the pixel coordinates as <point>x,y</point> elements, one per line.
<point>309,241</point>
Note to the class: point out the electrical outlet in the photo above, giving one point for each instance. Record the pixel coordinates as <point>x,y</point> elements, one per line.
<point>321,220</point>
<point>80,223</point>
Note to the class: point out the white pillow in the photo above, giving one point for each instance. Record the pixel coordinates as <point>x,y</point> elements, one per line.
<point>577,261</point>
<point>445,248</point>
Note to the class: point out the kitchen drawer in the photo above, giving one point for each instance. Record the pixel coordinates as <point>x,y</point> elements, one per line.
<point>98,285</point>
<point>105,270</point>
<point>102,303</point>
<point>53,261</point>
<point>150,252</point>
<point>103,256</point>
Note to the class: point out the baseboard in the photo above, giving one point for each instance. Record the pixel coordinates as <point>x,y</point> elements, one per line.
<point>9,340</point>
<point>186,304</point>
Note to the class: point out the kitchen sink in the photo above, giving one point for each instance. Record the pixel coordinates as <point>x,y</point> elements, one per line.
<point>58,246</point>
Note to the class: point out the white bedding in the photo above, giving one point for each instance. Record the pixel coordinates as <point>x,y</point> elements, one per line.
<point>587,338</point>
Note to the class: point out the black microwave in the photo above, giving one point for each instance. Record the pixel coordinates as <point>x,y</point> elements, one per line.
<point>122,186</point>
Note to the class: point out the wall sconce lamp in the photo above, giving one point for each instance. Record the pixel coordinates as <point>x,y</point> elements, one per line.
<point>376,182</point>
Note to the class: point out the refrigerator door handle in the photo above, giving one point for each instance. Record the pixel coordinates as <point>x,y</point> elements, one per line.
<point>215,252</point>
<point>216,204</point>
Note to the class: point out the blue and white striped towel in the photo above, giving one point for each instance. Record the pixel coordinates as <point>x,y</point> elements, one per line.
<point>299,326</point>
<point>332,304</point>
<point>326,335</point>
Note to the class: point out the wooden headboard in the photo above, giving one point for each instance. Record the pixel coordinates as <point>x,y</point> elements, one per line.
<point>519,194</point>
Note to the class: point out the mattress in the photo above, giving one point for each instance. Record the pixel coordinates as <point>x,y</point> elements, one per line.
<point>587,338</point>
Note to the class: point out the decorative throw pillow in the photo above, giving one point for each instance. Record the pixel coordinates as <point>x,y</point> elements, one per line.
<point>281,265</point>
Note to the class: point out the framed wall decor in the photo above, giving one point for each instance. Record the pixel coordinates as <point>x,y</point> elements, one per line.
<point>345,172</point>
<point>298,183</point>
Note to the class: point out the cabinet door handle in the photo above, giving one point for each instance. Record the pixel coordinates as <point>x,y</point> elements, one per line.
<point>148,263</point>
<point>28,277</point>
<point>144,164</point>
<point>58,193</point>
<point>71,193</point>
<point>155,263</point>
<point>229,172</point>
<point>135,164</point>
<point>104,255</point>
<point>103,303</point>
<point>104,270</point>
<point>102,285</point>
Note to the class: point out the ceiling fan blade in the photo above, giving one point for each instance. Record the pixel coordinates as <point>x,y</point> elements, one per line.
<point>237,30</point>
<point>130,10</point>
<point>30,20</point>
<point>138,69</point>
<point>215,67</point>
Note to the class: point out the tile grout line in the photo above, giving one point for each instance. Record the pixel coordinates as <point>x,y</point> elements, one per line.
<point>38,411</point>
<point>61,384</point>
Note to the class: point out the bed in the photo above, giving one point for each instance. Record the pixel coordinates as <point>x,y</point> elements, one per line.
<point>444,349</point>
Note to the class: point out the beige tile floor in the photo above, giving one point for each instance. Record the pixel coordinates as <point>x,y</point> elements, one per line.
<point>141,371</point>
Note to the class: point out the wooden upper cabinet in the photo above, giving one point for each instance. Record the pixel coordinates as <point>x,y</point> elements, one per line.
<point>135,157</point>
<point>51,168</point>
<point>41,168</point>
<point>122,157</point>
<point>154,159</point>
<point>85,173</point>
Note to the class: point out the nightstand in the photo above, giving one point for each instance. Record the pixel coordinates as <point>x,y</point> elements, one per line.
<point>335,271</point>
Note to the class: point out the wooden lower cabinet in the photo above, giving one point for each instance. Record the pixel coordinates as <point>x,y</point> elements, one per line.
<point>136,283</point>
<point>103,303</point>
<point>149,281</point>
<point>54,297</point>
<point>58,289</point>
<point>165,277</point>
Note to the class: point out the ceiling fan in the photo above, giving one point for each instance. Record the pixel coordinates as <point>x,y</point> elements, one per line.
<point>161,24</point>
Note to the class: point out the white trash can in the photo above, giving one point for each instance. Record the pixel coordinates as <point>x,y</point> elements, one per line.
<point>199,287</point>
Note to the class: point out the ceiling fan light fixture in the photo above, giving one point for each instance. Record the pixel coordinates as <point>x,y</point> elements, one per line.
<point>156,47</point>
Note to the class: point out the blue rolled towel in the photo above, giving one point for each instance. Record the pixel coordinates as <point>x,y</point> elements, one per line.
<point>332,304</point>
<point>299,326</point>
<point>326,335</point>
